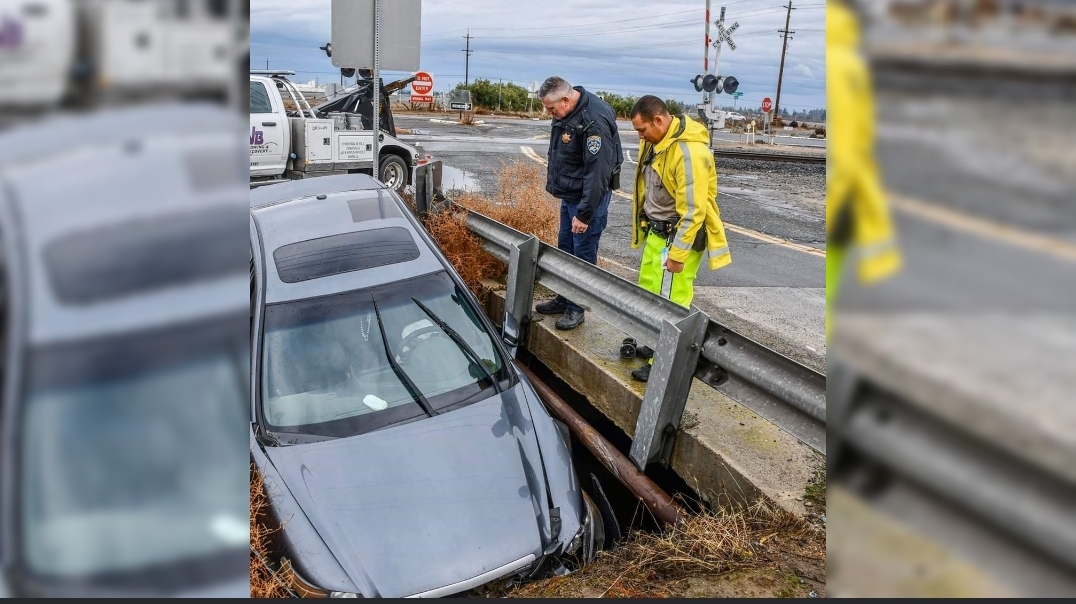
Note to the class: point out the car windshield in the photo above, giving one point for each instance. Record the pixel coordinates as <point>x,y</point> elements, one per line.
<point>132,467</point>
<point>326,371</point>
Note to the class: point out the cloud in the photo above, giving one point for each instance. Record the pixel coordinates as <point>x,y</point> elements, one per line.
<point>629,47</point>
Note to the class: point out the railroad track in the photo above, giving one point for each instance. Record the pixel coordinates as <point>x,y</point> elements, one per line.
<point>782,157</point>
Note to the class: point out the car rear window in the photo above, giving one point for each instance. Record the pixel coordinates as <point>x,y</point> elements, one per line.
<point>344,253</point>
<point>148,254</point>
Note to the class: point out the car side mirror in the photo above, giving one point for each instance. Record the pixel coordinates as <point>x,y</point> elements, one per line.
<point>510,332</point>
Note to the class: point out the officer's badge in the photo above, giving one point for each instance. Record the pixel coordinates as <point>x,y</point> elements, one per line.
<point>566,138</point>
<point>594,144</point>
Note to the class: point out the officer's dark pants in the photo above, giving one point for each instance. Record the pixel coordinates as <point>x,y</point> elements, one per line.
<point>581,245</point>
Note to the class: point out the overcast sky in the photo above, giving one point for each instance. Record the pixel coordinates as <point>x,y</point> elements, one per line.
<point>627,47</point>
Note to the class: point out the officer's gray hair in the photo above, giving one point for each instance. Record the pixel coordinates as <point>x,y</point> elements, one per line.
<point>554,86</point>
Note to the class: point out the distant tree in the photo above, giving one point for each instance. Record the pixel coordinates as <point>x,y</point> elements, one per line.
<point>486,94</point>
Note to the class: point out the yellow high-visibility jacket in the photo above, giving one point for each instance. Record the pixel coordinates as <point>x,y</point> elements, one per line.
<point>853,185</point>
<point>685,163</point>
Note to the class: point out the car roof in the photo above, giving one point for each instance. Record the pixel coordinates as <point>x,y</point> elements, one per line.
<point>126,238</point>
<point>306,187</point>
<point>328,214</point>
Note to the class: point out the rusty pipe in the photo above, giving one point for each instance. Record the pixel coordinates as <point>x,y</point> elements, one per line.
<point>656,500</point>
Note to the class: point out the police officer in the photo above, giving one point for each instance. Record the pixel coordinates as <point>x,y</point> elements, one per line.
<point>584,168</point>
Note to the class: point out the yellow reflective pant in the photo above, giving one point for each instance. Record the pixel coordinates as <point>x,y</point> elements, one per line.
<point>678,287</point>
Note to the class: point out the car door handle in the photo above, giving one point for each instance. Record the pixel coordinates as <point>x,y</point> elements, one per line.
<point>268,123</point>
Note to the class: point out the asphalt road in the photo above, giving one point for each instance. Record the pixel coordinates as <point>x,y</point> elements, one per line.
<point>774,214</point>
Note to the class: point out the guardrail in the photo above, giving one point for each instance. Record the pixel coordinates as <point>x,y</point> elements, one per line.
<point>686,342</point>
<point>1024,500</point>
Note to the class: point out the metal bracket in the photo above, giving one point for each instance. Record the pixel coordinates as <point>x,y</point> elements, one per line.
<point>522,270</point>
<point>676,357</point>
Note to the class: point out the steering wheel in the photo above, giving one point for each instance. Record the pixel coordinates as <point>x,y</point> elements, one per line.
<point>415,338</point>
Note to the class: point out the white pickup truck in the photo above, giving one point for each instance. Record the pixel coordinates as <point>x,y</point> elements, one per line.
<point>288,143</point>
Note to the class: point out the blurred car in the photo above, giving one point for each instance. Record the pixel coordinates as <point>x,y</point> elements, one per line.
<point>401,448</point>
<point>125,355</point>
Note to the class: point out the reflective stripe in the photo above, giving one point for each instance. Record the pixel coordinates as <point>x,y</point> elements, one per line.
<point>680,245</point>
<point>720,251</point>
<point>689,217</point>
<point>666,283</point>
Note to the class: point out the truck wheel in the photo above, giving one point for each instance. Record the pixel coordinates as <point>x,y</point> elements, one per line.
<point>393,172</point>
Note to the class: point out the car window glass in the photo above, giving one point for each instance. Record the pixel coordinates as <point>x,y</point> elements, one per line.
<point>326,369</point>
<point>259,99</point>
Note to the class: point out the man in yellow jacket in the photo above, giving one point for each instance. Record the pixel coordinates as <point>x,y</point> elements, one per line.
<point>674,207</point>
<point>857,214</point>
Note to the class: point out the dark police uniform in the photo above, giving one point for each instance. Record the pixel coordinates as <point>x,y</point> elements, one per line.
<point>584,165</point>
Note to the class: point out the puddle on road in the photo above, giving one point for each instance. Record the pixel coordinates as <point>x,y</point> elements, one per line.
<point>456,179</point>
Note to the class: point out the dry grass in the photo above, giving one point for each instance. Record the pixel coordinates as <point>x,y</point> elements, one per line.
<point>707,545</point>
<point>263,584</point>
<point>519,201</point>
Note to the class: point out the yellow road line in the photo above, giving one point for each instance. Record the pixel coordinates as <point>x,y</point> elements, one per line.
<point>799,247</point>
<point>994,230</point>
<point>792,245</point>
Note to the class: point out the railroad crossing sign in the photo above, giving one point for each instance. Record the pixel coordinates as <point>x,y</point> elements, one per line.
<point>725,35</point>
<point>767,105</point>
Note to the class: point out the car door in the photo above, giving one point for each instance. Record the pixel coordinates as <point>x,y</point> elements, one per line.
<point>268,130</point>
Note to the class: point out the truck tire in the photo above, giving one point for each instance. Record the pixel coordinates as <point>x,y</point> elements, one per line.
<point>393,172</point>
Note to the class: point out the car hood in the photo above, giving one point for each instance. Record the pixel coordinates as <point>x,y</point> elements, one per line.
<point>423,505</point>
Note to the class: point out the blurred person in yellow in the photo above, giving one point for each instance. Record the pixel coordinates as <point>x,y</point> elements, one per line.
<point>858,217</point>
<point>674,206</point>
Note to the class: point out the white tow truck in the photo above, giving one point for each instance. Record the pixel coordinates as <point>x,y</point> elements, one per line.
<point>291,140</point>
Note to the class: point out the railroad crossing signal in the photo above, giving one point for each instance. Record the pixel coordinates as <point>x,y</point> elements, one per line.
<point>710,83</point>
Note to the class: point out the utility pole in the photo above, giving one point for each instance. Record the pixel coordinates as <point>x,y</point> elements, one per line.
<point>499,84</point>
<point>781,73</point>
<point>467,63</point>
<point>267,64</point>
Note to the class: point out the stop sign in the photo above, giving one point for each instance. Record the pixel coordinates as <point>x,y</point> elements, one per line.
<point>767,105</point>
<point>423,83</point>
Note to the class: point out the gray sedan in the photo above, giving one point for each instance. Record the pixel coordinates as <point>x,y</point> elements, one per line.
<point>401,448</point>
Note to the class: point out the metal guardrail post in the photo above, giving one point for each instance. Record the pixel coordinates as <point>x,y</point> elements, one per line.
<point>519,297</point>
<point>676,357</point>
